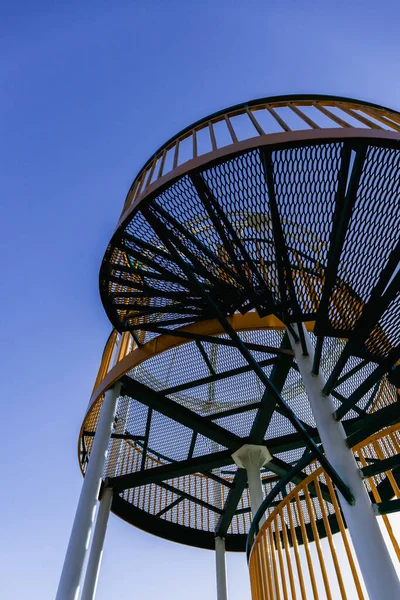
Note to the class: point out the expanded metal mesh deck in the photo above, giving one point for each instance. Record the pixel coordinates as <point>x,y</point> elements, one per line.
<point>307,232</point>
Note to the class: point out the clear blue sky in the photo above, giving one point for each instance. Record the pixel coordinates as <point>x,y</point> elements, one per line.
<point>88,91</point>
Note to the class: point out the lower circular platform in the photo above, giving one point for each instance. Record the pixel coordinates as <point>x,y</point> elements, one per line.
<point>188,404</point>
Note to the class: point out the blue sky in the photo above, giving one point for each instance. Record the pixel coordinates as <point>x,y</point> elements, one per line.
<point>88,91</point>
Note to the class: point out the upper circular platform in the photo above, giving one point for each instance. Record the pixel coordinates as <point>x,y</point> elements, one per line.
<point>286,205</point>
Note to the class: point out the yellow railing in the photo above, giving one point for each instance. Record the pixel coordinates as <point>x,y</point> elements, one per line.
<point>380,446</point>
<point>116,348</point>
<point>296,554</point>
<point>255,119</point>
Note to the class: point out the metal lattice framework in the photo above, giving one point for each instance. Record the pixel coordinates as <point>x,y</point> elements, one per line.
<point>188,405</point>
<point>269,214</point>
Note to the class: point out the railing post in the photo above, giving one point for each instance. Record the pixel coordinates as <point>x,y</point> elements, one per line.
<point>376,565</point>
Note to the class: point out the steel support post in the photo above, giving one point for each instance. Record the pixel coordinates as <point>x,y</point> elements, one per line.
<point>218,499</point>
<point>69,586</point>
<point>114,458</point>
<point>220,564</point>
<point>252,457</point>
<point>375,563</point>
<point>96,548</point>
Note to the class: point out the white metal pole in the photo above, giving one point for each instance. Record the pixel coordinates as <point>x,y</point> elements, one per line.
<point>68,588</point>
<point>375,563</point>
<point>220,564</point>
<point>252,457</point>
<point>216,486</point>
<point>117,444</point>
<point>96,548</point>
<point>255,489</point>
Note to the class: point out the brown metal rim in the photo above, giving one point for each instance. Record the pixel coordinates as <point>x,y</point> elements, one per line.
<point>276,140</point>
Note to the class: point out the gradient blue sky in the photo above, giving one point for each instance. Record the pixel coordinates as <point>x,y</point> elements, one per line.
<point>88,91</point>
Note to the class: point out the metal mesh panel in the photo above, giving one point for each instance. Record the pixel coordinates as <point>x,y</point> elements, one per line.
<point>183,204</point>
<point>239,184</point>
<point>185,365</point>
<point>90,426</point>
<point>386,335</point>
<point>278,426</point>
<point>373,230</point>
<point>306,181</point>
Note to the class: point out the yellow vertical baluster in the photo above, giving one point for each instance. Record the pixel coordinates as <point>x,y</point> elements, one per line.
<point>385,518</point>
<point>313,518</point>
<point>330,540</point>
<point>266,582</point>
<point>274,577</point>
<point>345,540</point>
<point>278,543</point>
<point>296,553</point>
<point>287,553</point>
<point>306,546</point>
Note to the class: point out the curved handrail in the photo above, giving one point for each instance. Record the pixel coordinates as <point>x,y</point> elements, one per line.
<point>362,451</point>
<point>347,109</point>
<point>277,489</point>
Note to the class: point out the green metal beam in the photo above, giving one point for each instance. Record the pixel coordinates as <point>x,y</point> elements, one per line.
<point>216,377</point>
<point>380,466</point>
<point>388,507</point>
<point>159,402</point>
<point>260,425</point>
<point>372,423</point>
<point>169,471</point>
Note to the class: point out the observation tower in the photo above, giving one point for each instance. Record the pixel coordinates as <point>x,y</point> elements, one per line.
<point>247,398</point>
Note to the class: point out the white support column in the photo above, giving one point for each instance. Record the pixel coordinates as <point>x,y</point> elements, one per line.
<point>96,548</point>
<point>68,588</point>
<point>252,458</point>
<point>222,588</point>
<point>115,351</point>
<point>117,444</point>
<point>375,563</point>
<point>220,564</point>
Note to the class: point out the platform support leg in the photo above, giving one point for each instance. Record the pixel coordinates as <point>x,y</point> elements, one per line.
<point>96,548</point>
<point>222,588</point>
<point>252,457</point>
<point>100,528</point>
<point>114,459</point>
<point>69,586</point>
<point>373,557</point>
